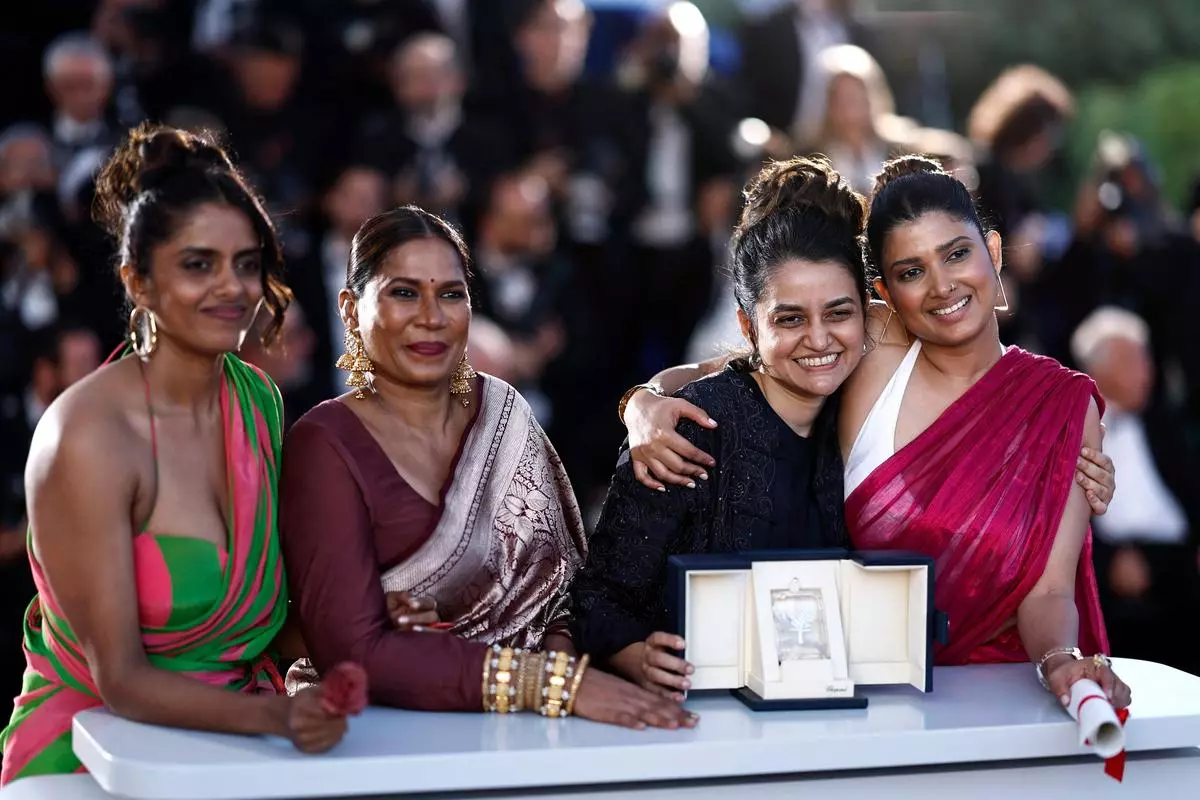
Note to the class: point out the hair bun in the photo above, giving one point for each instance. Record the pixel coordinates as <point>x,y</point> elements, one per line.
<point>903,167</point>
<point>150,156</point>
<point>801,182</point>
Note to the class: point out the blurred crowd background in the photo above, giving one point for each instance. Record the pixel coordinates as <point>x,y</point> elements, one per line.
<point>593,154</point>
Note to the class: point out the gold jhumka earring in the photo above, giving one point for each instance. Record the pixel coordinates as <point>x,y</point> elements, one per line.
<point>460,379</point>
<point>356,362</point>
<point>143,332</point>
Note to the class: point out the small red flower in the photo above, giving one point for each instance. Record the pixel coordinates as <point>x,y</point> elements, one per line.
<point>344,690</point>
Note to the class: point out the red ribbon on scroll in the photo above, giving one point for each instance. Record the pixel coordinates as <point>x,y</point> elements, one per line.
<point>1115,766</point>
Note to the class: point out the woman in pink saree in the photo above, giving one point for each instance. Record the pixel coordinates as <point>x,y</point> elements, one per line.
<point>964,450</point>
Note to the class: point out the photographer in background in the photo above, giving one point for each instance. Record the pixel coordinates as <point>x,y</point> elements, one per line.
<point>683,163</point>
<point>1129,252</point>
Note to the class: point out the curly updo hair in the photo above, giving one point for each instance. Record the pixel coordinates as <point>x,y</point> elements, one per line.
<point>800,208</point>
<point>908,187</point>
<point>156,177</point>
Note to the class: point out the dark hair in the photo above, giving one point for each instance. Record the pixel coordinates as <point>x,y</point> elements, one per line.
<point>384,232</point>
<point>156,177</point>
<point>1021,103</point>
<point>799,208</point>
<point>908,187</point>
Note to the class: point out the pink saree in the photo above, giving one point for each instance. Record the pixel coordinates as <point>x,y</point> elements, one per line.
<point>982,492</point>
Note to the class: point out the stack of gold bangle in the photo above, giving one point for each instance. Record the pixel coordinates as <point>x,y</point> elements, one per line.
<point>514,680</point>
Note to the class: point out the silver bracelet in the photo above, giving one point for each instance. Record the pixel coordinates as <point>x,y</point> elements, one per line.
<point>1073,652</point>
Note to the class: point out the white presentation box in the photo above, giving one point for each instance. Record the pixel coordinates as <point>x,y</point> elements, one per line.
<point>801,629</point>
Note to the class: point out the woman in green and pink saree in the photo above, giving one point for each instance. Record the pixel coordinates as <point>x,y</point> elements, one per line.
<point>152,483</point>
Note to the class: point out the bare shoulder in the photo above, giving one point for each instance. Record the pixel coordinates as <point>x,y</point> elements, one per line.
<point>85,431</point>
<point>885,350</point>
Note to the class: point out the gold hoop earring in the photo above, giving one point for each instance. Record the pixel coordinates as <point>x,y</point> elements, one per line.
<point>888,321</point>
<point>460,379</point>
<point>355,361</point>
<point>143,342</point>
<point>1003,295</point>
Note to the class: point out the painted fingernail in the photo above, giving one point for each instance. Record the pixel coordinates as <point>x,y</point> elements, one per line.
<point>712,422</point>
<point>691,484</point>
<point>419,628</point>
<point>703,476</point>
<point>1064,699</point>
<point>401,620</point>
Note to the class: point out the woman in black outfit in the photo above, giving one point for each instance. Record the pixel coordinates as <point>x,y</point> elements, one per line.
<point>777,479</point>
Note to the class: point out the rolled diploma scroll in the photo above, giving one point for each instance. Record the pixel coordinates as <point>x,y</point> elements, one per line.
<point>1099,727</point>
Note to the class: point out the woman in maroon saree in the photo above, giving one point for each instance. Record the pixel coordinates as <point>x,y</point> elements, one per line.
<point>964,450</point>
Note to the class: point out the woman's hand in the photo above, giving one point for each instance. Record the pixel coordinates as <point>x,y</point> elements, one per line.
<point>607,698</point>
<point>309,726</point>
<point>410,613</point>
<point>1063,676</point>
<point>660,670</point>
<point>659,453</point>
<point>1096,474</point>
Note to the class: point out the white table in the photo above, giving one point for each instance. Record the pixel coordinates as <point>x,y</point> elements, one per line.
<point>984,730</point>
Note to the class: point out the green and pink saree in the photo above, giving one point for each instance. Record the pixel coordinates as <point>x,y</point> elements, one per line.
<point>208,612</point>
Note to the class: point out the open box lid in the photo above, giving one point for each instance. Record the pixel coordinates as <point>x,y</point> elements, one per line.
<point>886,608</point>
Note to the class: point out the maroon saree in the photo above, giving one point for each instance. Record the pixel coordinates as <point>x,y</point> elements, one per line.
<point>982,492</point>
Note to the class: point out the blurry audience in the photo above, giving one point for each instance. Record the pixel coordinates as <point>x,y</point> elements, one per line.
<point>598,204</point>
<point>1147,546</point>
<point>78,72</point>
<point>857,126</point>
<point>59,355</point>
<point>781,61</point>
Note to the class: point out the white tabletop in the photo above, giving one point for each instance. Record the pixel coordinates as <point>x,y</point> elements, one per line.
<point>1147,775</point>
<point>975,714</point>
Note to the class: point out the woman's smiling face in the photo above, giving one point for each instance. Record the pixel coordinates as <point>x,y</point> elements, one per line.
<point>941,277</point>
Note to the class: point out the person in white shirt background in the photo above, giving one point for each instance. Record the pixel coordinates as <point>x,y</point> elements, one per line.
<point>79,80</point>
<point>1147,547</point>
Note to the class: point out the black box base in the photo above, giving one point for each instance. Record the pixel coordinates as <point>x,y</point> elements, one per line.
<point>755,703</point>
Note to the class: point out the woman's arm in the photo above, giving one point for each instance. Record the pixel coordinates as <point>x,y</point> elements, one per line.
<point>672,379</point>
<point>80,496</point>
<point>334,581</point>
<point>660,455</point>
<point>1047,618</point>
